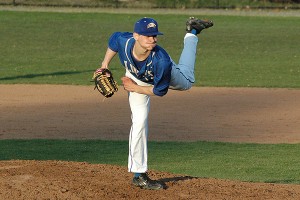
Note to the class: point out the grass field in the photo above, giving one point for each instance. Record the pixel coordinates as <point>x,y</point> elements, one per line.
<point>65,48</point>
<point>241,51</point>
<point>273,163</point>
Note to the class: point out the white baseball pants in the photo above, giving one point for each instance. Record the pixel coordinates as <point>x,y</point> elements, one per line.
<point>182,78</point>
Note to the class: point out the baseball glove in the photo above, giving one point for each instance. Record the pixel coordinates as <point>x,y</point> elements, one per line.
<point>104,82</point>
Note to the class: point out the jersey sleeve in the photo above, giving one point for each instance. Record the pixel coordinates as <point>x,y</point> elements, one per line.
<point>162,78</point>
<point>113,41</point>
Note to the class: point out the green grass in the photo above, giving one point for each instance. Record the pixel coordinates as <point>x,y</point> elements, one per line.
<point>252,51</point>
<point>275,163</point>
<point>154,3</point>
<point>65,48</point>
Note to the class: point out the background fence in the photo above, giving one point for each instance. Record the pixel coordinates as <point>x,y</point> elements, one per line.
<point>182,4</point>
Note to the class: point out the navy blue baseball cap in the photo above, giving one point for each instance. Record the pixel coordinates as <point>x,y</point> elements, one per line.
<point>147,26</point>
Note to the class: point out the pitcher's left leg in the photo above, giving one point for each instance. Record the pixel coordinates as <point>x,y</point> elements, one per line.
<point>138,151</point>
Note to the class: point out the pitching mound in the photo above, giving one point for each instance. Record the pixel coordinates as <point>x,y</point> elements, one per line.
<point>73,180</point>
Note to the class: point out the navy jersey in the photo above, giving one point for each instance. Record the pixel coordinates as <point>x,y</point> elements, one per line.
<point>155,70</point>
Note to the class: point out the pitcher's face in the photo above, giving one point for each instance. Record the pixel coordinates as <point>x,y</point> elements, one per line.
<point>146,42</point>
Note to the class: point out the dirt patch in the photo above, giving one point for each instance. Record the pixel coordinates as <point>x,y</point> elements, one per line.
<point>211,114</point>
<point>76,112</point>
<point>73,180</point>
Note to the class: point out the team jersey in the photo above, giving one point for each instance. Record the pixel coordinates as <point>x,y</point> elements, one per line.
<point>155,70</point>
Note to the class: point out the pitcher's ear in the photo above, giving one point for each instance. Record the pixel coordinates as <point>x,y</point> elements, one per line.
<point>135,35</point>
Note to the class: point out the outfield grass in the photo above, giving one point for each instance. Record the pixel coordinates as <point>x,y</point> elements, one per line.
<point>274,163</point>
<point>65,48</point>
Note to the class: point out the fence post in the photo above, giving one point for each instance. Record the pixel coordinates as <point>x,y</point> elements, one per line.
<point>218,3</point>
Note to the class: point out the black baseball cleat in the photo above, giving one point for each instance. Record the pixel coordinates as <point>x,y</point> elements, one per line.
<point>197,24</point>
<point>144,182</point>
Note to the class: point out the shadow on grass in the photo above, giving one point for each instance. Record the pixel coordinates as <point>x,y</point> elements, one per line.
<point>29,76</point>
<point>285,181</point>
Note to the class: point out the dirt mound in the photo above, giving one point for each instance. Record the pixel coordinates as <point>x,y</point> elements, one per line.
<point>76,180</point>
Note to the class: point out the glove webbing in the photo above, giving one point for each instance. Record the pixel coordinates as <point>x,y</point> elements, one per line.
<point>105,85</point>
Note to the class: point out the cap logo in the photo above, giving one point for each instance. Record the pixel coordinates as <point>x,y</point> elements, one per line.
<point>151,25</point>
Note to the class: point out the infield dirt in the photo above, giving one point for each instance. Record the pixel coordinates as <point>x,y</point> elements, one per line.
<point>75,112</point>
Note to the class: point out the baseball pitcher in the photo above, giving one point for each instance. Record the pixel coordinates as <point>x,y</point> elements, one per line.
<point>149,70</point>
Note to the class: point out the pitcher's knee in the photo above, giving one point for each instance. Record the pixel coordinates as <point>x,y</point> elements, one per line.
<point>187,86</point>
<point>182,86</point>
